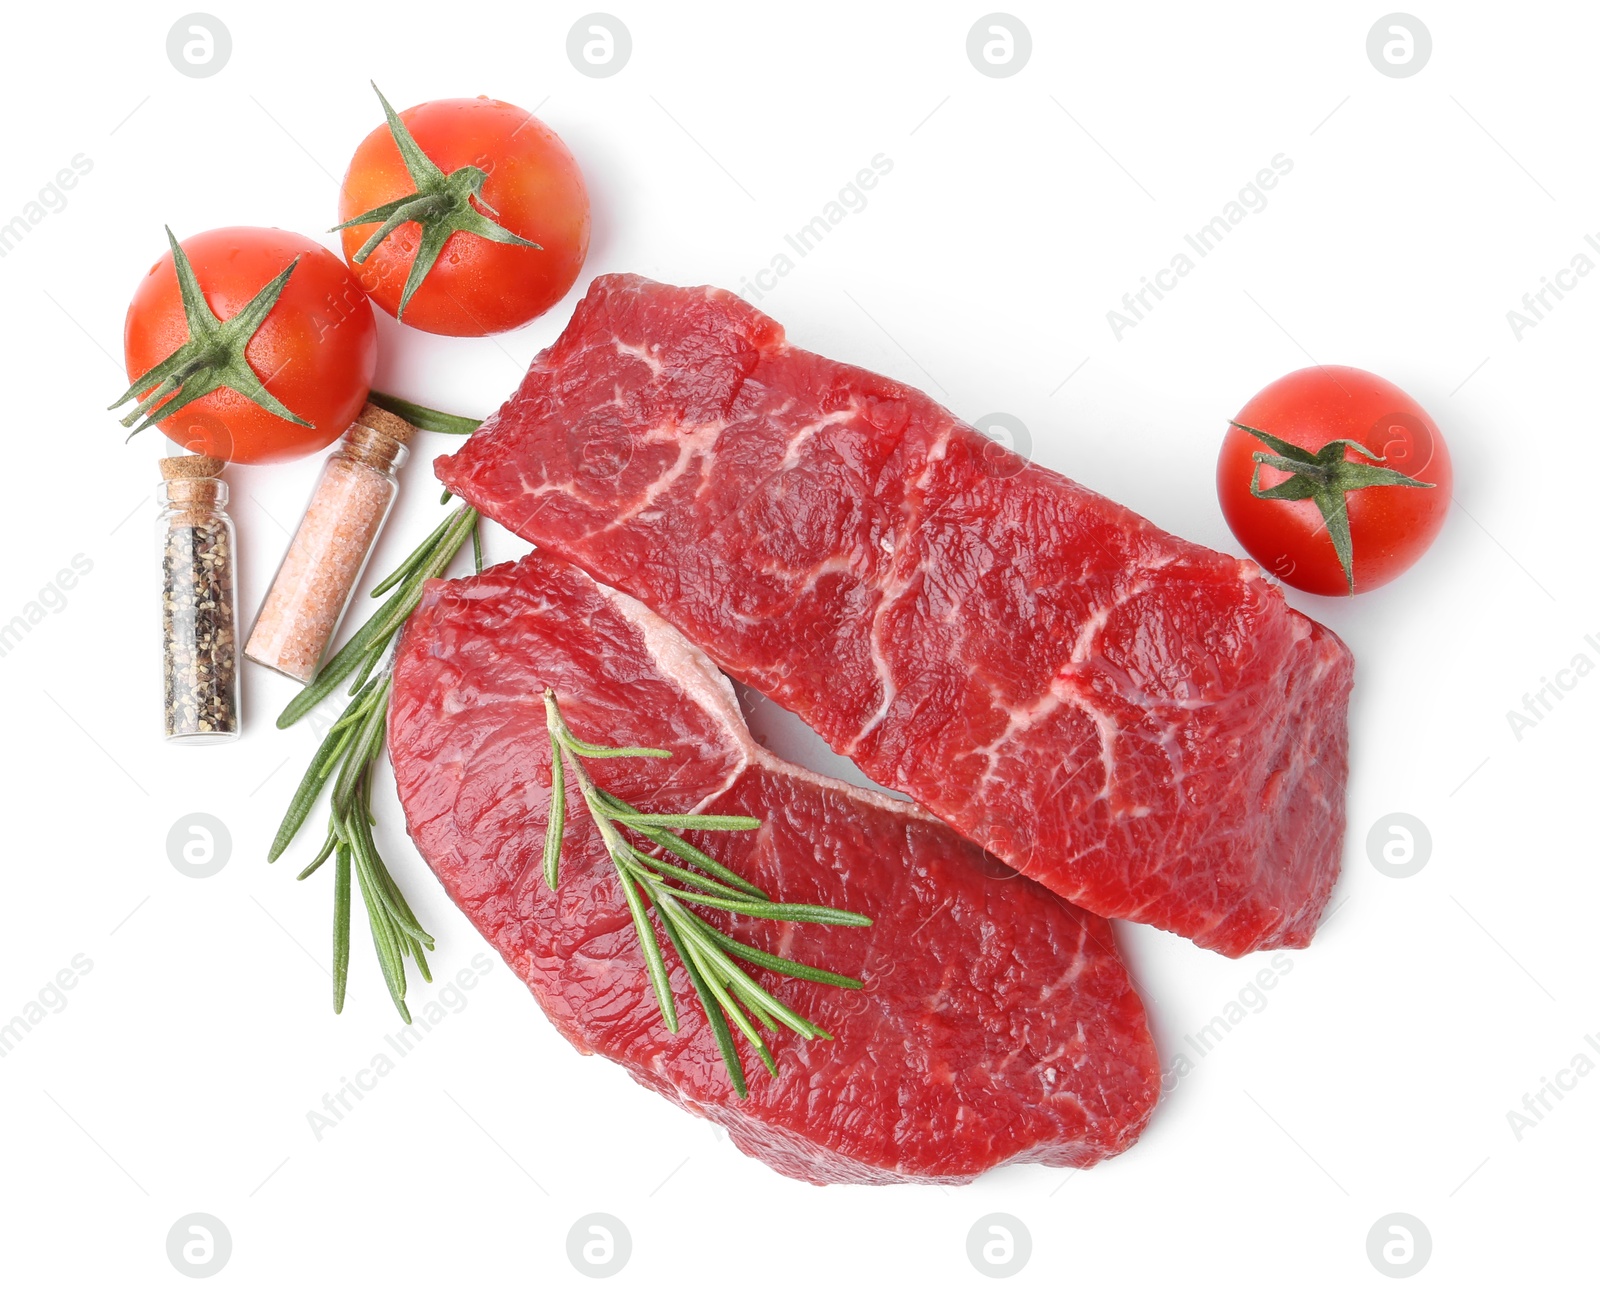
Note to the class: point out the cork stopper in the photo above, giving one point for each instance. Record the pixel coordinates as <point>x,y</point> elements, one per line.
<point>390,424</point>
<point>190,466</point>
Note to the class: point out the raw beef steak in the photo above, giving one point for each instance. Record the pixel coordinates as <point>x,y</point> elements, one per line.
<point>998,1023</point>
<point>1140,723</point>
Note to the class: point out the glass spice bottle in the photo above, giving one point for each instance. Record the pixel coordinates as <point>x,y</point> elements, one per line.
<point>312,589</point>
<point>199,603</point>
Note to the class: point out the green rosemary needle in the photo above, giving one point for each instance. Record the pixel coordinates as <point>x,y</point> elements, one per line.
<point>728,996</point>
<point>349,752</point>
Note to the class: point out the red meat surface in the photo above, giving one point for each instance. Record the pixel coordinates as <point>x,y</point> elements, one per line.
<point>1140,723</point>
<point>998,1023</point>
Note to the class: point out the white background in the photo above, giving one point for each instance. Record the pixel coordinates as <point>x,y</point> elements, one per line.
<point>1377,1078</point>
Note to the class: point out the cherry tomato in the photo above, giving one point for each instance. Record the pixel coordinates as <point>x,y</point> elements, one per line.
<point>314,353</point>
<point>1355,474</point>
<point>526,184</point>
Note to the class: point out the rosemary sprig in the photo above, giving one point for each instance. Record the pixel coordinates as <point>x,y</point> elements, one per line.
<point>349,752</point>
<point>424,418</point>
<point>727,993</point>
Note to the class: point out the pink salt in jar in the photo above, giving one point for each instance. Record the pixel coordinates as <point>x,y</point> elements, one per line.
<point>313,586</point>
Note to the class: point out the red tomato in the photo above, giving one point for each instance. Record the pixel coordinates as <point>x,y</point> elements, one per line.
<point>1396,498</point>
<point>533,189</point>
<point>315,352</point>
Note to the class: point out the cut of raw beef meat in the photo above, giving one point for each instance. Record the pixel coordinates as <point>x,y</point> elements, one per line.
<point>998,1023</point>
<point>1140,723</point>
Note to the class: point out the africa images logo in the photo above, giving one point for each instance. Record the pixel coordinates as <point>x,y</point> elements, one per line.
<point>49,200</point>
<point>51,599</point>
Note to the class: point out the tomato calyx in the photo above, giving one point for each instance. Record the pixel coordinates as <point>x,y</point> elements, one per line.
<point>1325,477</point>
<point>441,204</point>
<point>211,359</point>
